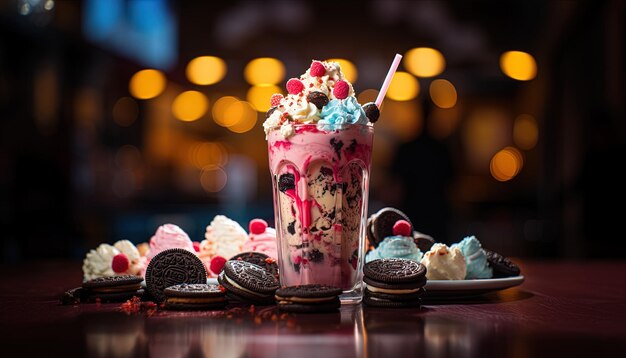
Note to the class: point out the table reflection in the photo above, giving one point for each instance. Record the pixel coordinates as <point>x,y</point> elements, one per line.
<point>354,331</point>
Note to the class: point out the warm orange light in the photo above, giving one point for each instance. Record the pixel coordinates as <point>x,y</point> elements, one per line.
<point>259,96</point>
<point>424,62</point>
<point>348,68</point>
<point>243,115</point>
<point>208,153</point>
<point>443,122</point>
<point>443,93</point>
<point>264,70</point>
<point>147,84</point>
<point>518,65</point>
<point>506,164</point>
<point>403,119</point>
<point>190,106</point>
<point>403,87</point>
<point>219,111</point>
<point>206,70</point>
<point>525,131</point>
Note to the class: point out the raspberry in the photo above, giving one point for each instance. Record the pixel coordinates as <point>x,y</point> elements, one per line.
<point>257,226</point>
<point>402,228</point>
<point>341,90</point>
<point>295,86</point>
<point>217,264</point>
<point>275,99</point>
<point>120,263</point>
<point>196,246</point>
<point>317,69</point>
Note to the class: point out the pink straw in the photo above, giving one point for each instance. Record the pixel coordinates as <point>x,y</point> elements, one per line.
<point>385,87</point>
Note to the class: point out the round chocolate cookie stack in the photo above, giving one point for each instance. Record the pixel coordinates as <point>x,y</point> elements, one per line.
<point>308,298</point>
<point>248,282</point>
<point>195,297</point>
<point>112,289</point>
<point>393,283</point>
<point>260,259</point>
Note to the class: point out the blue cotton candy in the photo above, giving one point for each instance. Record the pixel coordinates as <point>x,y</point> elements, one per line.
<point>397,247</point>
<point>475,258</point>
<point>338,112</point>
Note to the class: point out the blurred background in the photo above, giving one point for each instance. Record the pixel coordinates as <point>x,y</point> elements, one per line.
<point>506,120</point>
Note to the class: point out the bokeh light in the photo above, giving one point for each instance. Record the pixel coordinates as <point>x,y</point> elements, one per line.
<point>443,93</point>
<point>219,111</point>
<point>525,131</point>
<point>264,71</point>
<point>403,87</point>
<point>518,65</point>
<point>125,111</point>
<point>506,164</point>
<point>259,96</point>
<point>190,106</point>
<point>403,119</point>
<point>208,153</point>
<point>213,178</point>
<point>424,62</point>
<point>206,70</point>
<point>147,84</point>
<point>348,68</point>
<point>243,115</point>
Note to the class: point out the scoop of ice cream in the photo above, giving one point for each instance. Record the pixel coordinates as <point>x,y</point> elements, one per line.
<point>137,262</point>
<point>224,237</point>
<point>97,263</point>
<point>169,236</point>
<point>475,258</point>
<point>399,247</point>
<point>143,248</point>
<point>443,263</point>
<point>338,112</point>
<point>261,239</point>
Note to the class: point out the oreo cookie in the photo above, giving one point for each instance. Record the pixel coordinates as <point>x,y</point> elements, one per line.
<point>424,242</point>
<point>248,282</point>
<point>259,259</point>
<point>502,266</point>
<point>111,289</point>
<point>73,296</point>
<point>312,298</point>
<point>171,267</point>
<point>393,283</point>
<point>380,225</point>
<point>195,297</point>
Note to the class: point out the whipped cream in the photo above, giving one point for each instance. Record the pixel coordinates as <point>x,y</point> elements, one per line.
<point>224,237</point>
<point>443,263</point>
<point>97,263</point>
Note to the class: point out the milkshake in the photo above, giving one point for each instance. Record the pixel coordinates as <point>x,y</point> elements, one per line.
<point>320,146</point>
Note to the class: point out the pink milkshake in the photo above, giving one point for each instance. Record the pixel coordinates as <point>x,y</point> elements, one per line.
<point>319,146</point>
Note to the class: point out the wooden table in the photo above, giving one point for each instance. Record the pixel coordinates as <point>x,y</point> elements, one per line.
<point>563,309</point>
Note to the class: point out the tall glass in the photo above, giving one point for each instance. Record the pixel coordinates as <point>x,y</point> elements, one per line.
<point>321,181</point>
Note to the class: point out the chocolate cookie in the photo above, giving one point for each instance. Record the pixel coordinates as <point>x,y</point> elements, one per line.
<point>394,270</point>
<point>308,298</point>
<point>73,296</point>
<point>248,282</point>
<point>195,297</point>
<point>259,259</point>
<point>393,283</point>
<point>112,289</point>
<point>424,242</point>
<point>382,223</point>
<point>502,266</point>
<point>171,267</point>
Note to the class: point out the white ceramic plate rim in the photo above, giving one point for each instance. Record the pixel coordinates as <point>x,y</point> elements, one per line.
<point>478,284</point>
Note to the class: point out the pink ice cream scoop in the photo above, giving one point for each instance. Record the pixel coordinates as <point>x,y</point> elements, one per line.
<point>169,236</point>
<point>261,239</point>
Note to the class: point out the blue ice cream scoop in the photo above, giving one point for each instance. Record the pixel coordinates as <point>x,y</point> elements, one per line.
<point>338,112</point>
<point>398,247</point>
<point>475,258</point>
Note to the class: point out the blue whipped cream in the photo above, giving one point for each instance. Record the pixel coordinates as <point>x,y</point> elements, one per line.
<point>338,112</point>
<point>475,258</point>
<point>398,247</point>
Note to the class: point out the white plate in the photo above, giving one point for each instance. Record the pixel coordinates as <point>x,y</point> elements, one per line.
<point>470,287</point>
